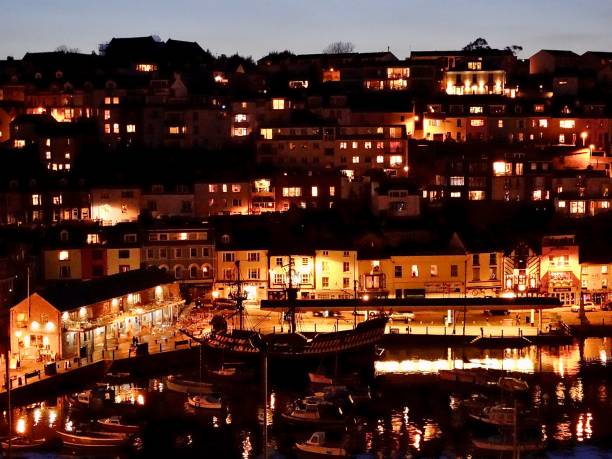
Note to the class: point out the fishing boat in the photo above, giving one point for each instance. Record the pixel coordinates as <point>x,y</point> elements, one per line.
<point>115,424</point>
<point>319,414</point>
<point>187,386</point>
<point>505,443</point>
<point>511,384</point>
<point>231,373</point>
<point>206,402</point>
<point>319,445</point>
<point>93,439</point>
<point>25,444</point>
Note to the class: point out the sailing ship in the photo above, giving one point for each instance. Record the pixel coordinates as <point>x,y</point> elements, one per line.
<point>244,345</point>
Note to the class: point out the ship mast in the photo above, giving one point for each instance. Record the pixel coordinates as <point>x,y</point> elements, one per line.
<point>291,296</point>
<point>239,296</point>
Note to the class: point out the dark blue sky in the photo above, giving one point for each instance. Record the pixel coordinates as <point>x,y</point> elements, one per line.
<point>254,27</point>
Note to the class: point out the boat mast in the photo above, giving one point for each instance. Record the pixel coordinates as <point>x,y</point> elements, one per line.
<point>291,296</point>
<point>239,296</point>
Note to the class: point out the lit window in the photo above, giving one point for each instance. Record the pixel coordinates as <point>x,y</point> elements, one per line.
<point>502,168</point>
<point>476,195</point>
<point>343,145</point>
<point>380,145</point>
<point>115,100</point>
<point>561,138</point>
<point>292,192</point>
<point>146,67</point>
<point>266,134</point>
<point>57,199</point>
<point>278,104</point>
<point>224,187</point>
<point>380,159</point>
<point>457,181</point>
<point>332,191</point>
<point>36,200</point>
<point>67,155</point>
<point>355,145</point>
<point>536,195</point>
<point>107,128</point>
<point>567,124</point>
<point>20,143</point>
<point>64,255</point>
<point>367,145</point>
<point>433,270</point>
<point>561,204</point>
<point>538,108</point>
<point>395,160</point>
<point>543,123</point>
<point>577,207</point>
<point>116,128</point>
<point>47,155</point>
<point>500,123</point>
<point>475,65</point>
<point>604,269</point>
<point>414,271</point>
<point>604,204</point>
<point>314,192</point>
<point>355,159</point>
<point>107,100</point>
<point>477,123</point>
<point>236,187</point>
<point>131,128</point>
<point>107,114</point>
<point>93,238</point>
<point>455,194</point>
<point>477,109</point>
<point>240,117</point>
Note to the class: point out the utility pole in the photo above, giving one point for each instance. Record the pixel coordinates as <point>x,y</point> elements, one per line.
<point>291,296</point>
<point>8,397</point>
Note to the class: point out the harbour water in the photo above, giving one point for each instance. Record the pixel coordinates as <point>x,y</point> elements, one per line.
<point>414,414</point>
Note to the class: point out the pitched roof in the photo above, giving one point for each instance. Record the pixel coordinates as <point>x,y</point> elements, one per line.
<point>560,52</point>
<point>73,295</point>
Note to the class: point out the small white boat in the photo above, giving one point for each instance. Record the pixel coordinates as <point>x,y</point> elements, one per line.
<point>93,439</point>
<point>114,424</point>
<point>315,415</point>
<point>224,372</point>
<point>187,386</point>
<point>319,445</point>
<point>512,384</point>
<point>505,444</point>
<point>206,402</point>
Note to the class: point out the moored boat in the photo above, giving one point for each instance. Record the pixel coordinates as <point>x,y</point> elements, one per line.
<point>505,444</point>
<point>320,415</point>
<point>115,424</point>
<point>319,445</point>
<point>25,444</point>
<point>206,402</point>
<point>93,439</point>
<point>187,386</point>
<point>511,384</point>
<point>502,415</point>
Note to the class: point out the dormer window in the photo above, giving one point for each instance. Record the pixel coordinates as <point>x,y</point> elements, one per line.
<point>225,239</point>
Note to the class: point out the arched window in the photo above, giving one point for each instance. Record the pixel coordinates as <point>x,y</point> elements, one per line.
<point>207,271</point>
<point>178,271</point>
<point>193,272</point>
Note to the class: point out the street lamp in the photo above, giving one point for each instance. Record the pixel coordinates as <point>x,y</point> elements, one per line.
<point>583,136</point>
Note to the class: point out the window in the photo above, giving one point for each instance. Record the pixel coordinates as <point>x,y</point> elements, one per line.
<point>433,270</point>
<point>124,253</point>
<point>577,207</point>
<point>236,187</point>
<point>279,261</point>
<point>355,159</point>
<point>567,124</point>
<point>178,253</point>
<point>346,282</point>
<point>253,256</point>
<point>500,123</point>
<point>477,123</point>
<point>380,159</point>
<point>57,200</point>
<point>240,117</point>
<point>395,160</point>
<point>354,145</point>
<point>457,181</point>
<point>325,282</point>
<point>367,145</point>
<point>314,191</point>
<point>476,109</point>
<point>502,168</point>
<point>543,123</point>
<point>475,65</point>
<point>475,273</point>
<point>124,268</point>
<point>253,273</point>
<point>332,191</point>
<point>266,134</point>
<point>93,238</point>
<point>292,192</point>
<point>455,194</point>
<point>228,273</point>
<point>278,104</point>
<point>228,256</point>
<point>240,132</point>
<point>454,271</point>
<point>492,273</point>
<point>414,271</point>
<point>278,278</point>
<point>36,200</point>
<point>107,114</point>
<point>343,145</point>
<point>561,204</point>
<point>476,260</point>
<point>64,255</point>
<point>115,128</point>
<point>131,128</point>
<point>492,259</point>
<point>324,266</point>
<point>604,269</point>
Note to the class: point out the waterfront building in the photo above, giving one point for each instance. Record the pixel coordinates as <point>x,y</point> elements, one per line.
<point>83,317</point>
<point>560,268</point>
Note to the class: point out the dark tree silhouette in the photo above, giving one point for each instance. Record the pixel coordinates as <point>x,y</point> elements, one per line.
<point>339,47</point>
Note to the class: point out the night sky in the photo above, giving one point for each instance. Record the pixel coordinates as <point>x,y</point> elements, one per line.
<point>255,27</point>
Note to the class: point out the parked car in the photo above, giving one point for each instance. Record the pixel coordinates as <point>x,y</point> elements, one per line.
<point>401,317</point>
<point>589,306</point>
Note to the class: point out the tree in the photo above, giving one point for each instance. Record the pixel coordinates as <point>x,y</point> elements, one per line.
<point>64,49</point>
<point>479,43</point>
<point>339,47</point>
<point>514,49</point>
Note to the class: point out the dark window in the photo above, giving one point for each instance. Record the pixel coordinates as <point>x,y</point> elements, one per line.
<point>124,253</point>
<point>398,271</point>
